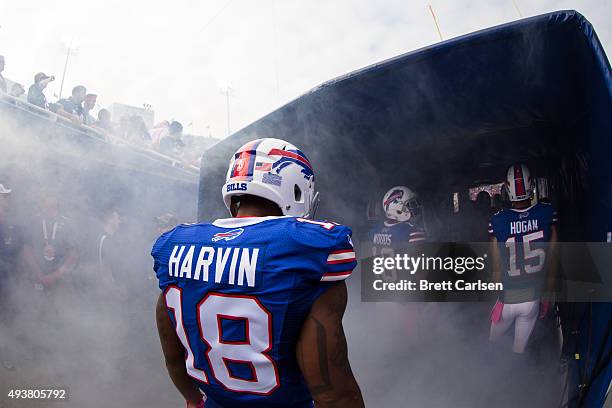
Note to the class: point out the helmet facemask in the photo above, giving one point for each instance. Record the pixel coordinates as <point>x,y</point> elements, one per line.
<point>398,210</point>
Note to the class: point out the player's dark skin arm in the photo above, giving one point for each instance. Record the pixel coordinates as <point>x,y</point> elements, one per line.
<point>174,353</point>
<point>322,353</point>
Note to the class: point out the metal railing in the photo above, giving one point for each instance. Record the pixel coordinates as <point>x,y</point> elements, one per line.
<point>88,131</point>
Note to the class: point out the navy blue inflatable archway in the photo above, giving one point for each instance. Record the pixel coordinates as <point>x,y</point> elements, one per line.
<point>454,115</point>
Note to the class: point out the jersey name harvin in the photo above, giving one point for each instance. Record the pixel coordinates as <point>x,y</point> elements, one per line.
<point>521,227</point>
<point>231,265</point>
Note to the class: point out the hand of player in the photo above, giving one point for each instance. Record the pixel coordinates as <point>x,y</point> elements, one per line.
<point>544,306</point>
<point>198,405</point>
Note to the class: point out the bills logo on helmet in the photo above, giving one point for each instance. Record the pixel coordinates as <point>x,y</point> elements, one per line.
<point>288,157</point>
<point>395,195</point>
<point>236,187</point>
<point>227,236</point>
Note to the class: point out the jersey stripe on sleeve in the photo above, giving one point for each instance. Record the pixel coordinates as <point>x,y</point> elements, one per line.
<point>335,276</point>
<point>417,236</point>
<point>341,256</point>
<point>340,262</point>
<point>335,255</point>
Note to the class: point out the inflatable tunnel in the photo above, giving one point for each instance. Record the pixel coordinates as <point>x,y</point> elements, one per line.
<point>451,117</point>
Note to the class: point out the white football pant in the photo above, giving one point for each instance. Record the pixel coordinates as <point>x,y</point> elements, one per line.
<point>524,316</point>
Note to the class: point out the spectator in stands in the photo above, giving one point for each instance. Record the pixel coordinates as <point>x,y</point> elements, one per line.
<point>49,252</point>
<point>172,144</point>
<point>111,221</point>
<point>56,108</point>
<point>73,105</point>
<point>159,131</point>
<point>113,252</point>
<point>88,104</point>
<point>2,80</point>
<point>104,120</point>
<point>17,91</point>
<point>136,132</point>
<point>35,93</point>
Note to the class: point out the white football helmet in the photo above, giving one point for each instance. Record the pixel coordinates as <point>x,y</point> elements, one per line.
<point>519,183</point>
<point>401,204</point>
<point>275,170</point>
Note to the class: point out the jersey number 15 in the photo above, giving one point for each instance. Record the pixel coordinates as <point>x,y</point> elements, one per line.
<point>528,254</point>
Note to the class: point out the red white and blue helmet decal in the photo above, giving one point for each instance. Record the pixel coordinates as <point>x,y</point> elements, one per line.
<point>288,157</point>
<point>244,161</point>
<point>395,194</point>
<point>519,181</point>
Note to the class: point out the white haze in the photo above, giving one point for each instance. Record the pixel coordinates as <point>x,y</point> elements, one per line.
<point>172,55</point>
<point>106,350</point>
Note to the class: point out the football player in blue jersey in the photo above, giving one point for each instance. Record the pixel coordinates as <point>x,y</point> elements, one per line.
<point>401,228</point>
<point>403,223</point>
<point>523,247</point>
<point>250,313</point>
